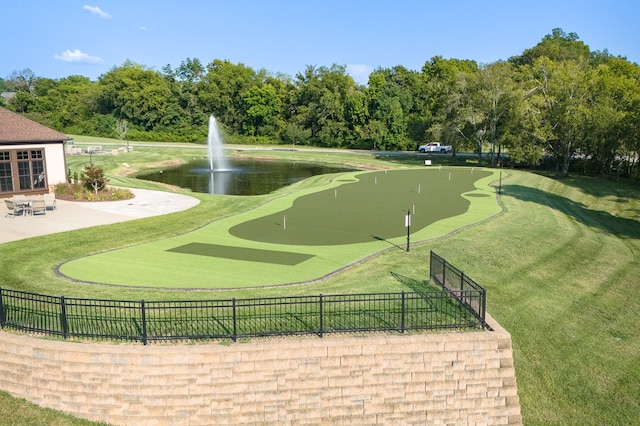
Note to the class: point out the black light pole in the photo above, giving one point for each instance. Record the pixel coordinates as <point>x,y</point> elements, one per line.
<point>408,223</point>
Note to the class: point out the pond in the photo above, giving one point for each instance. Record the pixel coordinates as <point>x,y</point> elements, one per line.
<point>243,177</point>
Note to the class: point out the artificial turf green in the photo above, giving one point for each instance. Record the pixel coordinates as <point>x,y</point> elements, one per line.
<point>345,220</point>
<point>371,208</point>
<point>242,253</point>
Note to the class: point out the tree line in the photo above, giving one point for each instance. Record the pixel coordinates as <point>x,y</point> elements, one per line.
<point>558,102</point>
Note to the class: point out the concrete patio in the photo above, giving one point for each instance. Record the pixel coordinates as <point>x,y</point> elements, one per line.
<point>70,215</point>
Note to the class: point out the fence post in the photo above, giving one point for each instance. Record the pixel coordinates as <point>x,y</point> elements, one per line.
<point>403,314</point>
<point>144,323</point>
<point>234,337</point>
<point>483,304</point>
<point>444,274</point>
<point>3,318</point>
<point>63,317</point>
<point>321,317</point>
<point>463,293</point>
<point>431,264</point>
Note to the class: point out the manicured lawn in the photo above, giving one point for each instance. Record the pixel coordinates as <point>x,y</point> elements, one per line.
<point>560,266</point>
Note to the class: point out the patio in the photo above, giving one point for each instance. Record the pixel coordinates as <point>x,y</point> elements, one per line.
<point>70,215</point>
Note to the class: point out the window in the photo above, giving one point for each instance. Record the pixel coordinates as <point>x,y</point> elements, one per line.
<point>6,183</point>
<point>29,165</point>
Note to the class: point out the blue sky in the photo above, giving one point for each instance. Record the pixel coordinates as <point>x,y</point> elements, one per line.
<point>59,38</point>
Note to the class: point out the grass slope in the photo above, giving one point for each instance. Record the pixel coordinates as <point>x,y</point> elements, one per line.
<point>560,267</point>
<point>561,272</point>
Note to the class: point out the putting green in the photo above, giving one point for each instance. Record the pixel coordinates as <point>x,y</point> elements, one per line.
<point>239,253</point>
<point>371,207</point>
<point>304,236</point>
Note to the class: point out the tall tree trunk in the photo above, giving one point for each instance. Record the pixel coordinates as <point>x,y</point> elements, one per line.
<point>566,159</point>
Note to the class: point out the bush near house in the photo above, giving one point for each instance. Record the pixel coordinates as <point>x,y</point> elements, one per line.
<point>91,186</point>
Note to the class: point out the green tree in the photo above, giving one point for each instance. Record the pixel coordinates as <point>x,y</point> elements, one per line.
<point>285,94</point>
<point>190,70</point>
<point>496,95</point>
<point>4,87</point>
<point>221,92</point>
<point>320,104</point>
<point>22,102</point>
<point>357,116</point>
<point>607,139</point>
<point>94,179</point>
<point>68,103</point>
<point>387,118</point>
<point>448,85</point>
<point>468,113</point>
<point>557,46</point>
<point>135,93</point>
<point>410,88</point>
<point>559,96</point>
<point>184,114</point>
<point>520,132</point>
<point>262,107</point>
<point>296,134</point>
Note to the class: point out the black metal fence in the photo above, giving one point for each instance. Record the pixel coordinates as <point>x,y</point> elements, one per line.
<point>239,318</point>
<point>469,293</point>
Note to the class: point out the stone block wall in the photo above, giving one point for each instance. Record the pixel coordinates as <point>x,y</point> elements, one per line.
<point>448,378</point>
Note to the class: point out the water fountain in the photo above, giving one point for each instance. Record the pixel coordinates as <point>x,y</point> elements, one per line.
<point>217,159</point>
<point>218,166</point>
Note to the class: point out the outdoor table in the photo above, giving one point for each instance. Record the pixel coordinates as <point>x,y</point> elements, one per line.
<point>25,205</point>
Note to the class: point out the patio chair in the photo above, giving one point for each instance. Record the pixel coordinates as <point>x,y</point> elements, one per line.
<point>20,202</point>
<point>38,206</point>
<point>13,209</point>
<point>50,201</point>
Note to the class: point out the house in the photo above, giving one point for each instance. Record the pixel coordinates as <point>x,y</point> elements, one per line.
<point>7,96</point>
<point>32,156</point>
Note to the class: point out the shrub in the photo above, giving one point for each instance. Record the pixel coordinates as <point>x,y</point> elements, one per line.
<point>94,179</point>
<point>78,192</point>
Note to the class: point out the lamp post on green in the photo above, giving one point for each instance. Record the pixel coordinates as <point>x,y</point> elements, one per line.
<point>407,223</point>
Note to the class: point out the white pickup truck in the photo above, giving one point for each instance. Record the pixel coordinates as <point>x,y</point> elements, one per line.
<point>434,147</point>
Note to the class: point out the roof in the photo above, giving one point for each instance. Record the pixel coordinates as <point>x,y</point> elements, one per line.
<point>16,128</point>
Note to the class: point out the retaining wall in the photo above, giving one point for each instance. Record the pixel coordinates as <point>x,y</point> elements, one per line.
<point>452,378</point>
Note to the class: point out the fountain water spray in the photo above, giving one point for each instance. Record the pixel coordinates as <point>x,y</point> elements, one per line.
<point>215,145</point>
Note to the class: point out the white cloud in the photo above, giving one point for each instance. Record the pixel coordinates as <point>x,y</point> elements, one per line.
<point>359,72</point>
<point>76,55</point>
<point>143,28</point>
<point>97,11</point>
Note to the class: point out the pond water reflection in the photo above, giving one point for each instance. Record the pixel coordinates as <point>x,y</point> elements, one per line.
<point>244,176</point>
